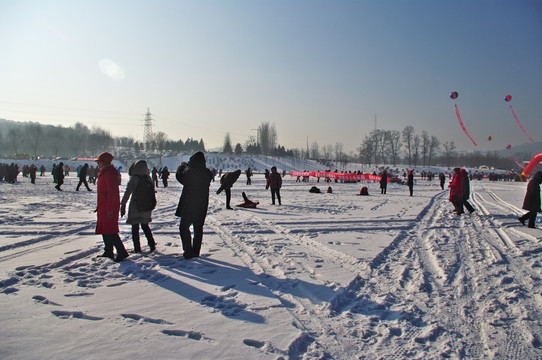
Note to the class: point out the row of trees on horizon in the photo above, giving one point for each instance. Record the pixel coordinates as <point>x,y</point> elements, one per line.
<point>30,140</point>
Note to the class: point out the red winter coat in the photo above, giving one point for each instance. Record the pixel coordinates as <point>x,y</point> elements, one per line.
<point>108,201</point>
<point>456,188</point>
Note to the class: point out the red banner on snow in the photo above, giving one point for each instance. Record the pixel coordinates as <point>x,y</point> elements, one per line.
<point>336,176</point>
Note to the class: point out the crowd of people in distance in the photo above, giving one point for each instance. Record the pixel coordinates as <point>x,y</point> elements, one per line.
<point>139,200</point>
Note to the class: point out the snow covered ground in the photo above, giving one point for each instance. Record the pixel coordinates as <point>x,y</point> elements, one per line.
<point>324,276</point>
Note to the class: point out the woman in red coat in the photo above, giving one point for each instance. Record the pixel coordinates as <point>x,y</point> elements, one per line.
<point>108,208</point>
<point>456,191</point>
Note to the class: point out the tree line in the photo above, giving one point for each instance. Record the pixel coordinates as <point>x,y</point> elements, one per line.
<point>33,140</point>
<point>391,147</point>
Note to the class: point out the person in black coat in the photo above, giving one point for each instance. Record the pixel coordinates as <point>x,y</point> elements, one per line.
<point>532,200</point>
<point>383,182</point>
<point>226,182</point>
<point>83,178</point>
<point>192,209</point>
<point>59,176</point>
<point>410,182</point>
<point>164,175</point>
<point>442,180</point>
<point>466,191</point>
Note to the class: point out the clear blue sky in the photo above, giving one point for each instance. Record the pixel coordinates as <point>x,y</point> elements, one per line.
<point>315,69</point>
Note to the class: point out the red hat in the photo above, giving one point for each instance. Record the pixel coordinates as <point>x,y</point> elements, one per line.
<point>105,157</point>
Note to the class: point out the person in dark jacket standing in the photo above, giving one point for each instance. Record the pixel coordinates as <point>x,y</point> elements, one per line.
<point>275,183</point>
<point>83,178</point>
<point>59,176</point>
<point>383,182</point>
<point>249,174</point>
<point>164,174</point>
<point>466,191</point>
<point>137,171</point>
<point>410,182</point>
<point>531,202</point>
<point>442,180</point>
<point>108,208</point>
<point>155,176</point>
<point>193,203</point>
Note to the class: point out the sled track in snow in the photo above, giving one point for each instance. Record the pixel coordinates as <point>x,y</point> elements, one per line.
<point>272,249</point>
<point>462,267</point>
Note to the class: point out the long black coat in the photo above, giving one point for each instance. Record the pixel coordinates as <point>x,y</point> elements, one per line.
<point>196,179</point>
<point>532,197</point>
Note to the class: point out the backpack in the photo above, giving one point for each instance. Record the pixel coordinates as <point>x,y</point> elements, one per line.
<point>144,194</point>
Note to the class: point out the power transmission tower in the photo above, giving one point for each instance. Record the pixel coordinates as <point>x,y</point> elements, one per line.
<point>147,133</point>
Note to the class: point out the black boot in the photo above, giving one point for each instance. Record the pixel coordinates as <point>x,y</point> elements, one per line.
<point>135,238</point>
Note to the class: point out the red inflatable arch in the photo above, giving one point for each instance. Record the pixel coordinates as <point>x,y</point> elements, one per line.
<point>532,165</point>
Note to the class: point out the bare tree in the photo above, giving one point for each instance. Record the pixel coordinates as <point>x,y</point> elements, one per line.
<point>328,152</point>
<point>408,135</point>
<point>227,149</point>
<point>425,146</point>
<point>366,150</point>
<point>34,134</point>
<point>338,152</point>
<point>268,137</point>
<point>160,140</point>
<point>394,145</point>
<point>78,138</point>
<point>416,149</point>
<point>315,152</point>
<point>15,138</point>
<point>449,148</point>
<point>434,146</point>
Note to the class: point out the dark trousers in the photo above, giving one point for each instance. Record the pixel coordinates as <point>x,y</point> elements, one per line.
<point>531,215</point>
<point>468,206</point>
<point>458,205</point>
<point>113,240</point>
<point>191,246</point>
<point>275,192</point>
<point>228,197</point>
<point>82,181</point>
<point>148,235</point>
<point>411,189</point>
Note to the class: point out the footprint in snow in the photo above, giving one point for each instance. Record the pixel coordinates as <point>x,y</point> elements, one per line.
<point>44,300</point>
<point>75,315</point>
<point>194,335</point>
<point>140,318</point>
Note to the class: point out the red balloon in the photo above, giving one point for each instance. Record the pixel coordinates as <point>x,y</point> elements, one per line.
<point>508,98</point>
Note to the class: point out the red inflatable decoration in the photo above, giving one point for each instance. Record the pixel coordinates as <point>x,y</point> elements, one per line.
<point>532,165</point>
<point>507,98</point>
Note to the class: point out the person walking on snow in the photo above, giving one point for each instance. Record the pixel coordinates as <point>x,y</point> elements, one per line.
<point>466,191</point>
<point>274,182</point>
<point>456,191</point>
<point>193,203</point>
<point>531,203</point>
<point>410,182</point>
<point>83,178</point>
<point>59,175</point>
<point>108,208</point>
<point>138,171</point>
